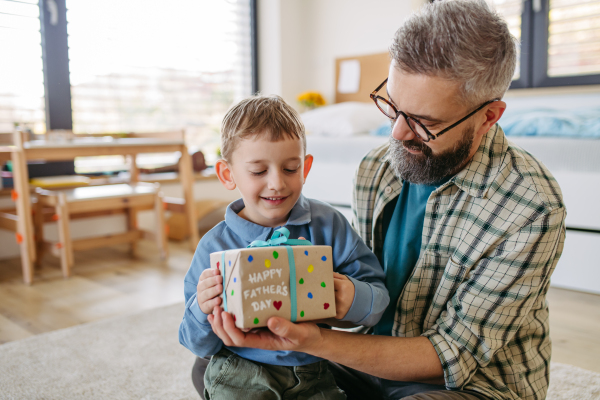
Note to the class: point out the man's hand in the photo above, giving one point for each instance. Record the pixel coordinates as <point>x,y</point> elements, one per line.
<point>344,294</point>
<point>209,288</point>
<point>280,335</point>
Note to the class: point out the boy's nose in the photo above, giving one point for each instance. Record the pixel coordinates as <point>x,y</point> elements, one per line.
<point>276,182</point>
<point>401,130</point>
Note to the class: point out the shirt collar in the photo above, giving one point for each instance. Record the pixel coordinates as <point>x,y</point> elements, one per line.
<point>249,231</point>
<point>479,174</point>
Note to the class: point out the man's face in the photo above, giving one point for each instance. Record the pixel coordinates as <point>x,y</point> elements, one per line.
<point>433,101</point>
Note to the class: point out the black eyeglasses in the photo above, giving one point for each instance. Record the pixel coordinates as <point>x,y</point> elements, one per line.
<point>390,111</point>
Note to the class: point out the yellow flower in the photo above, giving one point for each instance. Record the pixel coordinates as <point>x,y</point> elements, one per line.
<point>311,99</point>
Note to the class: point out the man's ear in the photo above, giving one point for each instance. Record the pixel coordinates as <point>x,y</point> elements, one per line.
<point>492,114</point>
<point>224,174</point>
<point>308,160</point>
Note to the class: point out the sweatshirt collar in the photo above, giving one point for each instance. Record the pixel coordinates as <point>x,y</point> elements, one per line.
<point>249,231</point>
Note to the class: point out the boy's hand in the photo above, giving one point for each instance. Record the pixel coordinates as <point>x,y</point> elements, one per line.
<point>209,288</point>
<point>344,294</point>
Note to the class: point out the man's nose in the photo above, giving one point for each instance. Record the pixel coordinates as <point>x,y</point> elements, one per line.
<point>401,130</point>
<point>276,181</point>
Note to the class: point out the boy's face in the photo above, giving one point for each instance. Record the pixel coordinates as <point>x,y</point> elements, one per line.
<point>269,176</point>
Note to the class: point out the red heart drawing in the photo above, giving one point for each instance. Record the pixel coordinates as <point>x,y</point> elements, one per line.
<point>326,306</point>
<point>277,305</point>
<point>218,264</point>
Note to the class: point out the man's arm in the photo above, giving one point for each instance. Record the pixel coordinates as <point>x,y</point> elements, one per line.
<point>403,359</point>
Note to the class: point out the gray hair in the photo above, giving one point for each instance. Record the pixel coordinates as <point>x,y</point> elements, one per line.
<point>462,41</point>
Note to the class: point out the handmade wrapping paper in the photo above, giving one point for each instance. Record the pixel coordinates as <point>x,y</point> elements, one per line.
<point>261,282</point>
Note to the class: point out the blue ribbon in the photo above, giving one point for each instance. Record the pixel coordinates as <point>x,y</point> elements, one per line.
<point>224,281</point>
<point>281,238</point>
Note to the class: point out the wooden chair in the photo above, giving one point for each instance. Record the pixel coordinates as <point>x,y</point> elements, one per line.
<point>15,218</point>
<point>99,199</point>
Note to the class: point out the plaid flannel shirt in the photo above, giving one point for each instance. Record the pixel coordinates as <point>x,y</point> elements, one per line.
<point>492,237</point>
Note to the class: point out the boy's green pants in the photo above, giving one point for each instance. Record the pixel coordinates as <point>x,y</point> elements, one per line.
<point>230,376</point>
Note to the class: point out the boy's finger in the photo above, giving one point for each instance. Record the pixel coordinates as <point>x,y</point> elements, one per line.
<point>208,283</point>
<point>340,276</point>
<point>210,293</point>
<point>207,273</point>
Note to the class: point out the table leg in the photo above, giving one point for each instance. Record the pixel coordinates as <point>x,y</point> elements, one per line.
<point>187,183</point>
<point>132,222</point>
<point>25,221</point>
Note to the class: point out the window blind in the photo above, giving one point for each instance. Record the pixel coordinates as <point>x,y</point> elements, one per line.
<point>21,74</point>
<point>574,38</point>
<point>150,65</point>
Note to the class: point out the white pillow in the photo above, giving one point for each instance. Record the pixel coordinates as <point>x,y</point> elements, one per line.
<point>343,119</point>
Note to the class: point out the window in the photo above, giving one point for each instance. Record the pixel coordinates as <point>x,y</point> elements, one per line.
<point>560,40</point>
<point>148,66</point>
<point>21,76</point>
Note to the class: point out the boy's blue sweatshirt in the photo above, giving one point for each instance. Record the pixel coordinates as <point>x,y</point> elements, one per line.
<point>319,223</point>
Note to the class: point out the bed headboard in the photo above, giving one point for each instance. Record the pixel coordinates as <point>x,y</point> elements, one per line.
<point>373,70</point>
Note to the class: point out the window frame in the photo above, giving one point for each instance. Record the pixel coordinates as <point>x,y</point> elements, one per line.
<point>539,25</point>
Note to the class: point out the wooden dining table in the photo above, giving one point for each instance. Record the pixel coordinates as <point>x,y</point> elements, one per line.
<point>88,147</point>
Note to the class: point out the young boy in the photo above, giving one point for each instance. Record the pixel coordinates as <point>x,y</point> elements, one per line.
<point>264,157</point>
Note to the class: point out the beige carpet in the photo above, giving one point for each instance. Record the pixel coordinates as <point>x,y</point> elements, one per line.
<point>139,357</point>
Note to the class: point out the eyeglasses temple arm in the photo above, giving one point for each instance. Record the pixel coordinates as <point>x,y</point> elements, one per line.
<point>465,118</point>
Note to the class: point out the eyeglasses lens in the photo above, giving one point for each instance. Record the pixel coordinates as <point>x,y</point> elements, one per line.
<point>417,129</point>
<point>386,108</point>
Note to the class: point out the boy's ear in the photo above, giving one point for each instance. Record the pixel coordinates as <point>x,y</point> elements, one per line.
<point>224,174</point>
<point>308,160</point>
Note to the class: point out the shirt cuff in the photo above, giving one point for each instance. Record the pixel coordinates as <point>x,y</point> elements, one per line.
<point>362,305</point>
<point>194,308</point>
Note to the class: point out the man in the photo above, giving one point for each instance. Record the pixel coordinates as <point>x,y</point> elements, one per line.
<point>468,227</point>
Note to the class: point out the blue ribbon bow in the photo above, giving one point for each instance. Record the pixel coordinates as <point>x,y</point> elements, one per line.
<point>280,238</point>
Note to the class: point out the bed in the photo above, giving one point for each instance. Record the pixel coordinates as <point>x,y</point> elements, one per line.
<point>569,146</point>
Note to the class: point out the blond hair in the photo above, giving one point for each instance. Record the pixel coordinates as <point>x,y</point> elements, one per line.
<point>260,115</point>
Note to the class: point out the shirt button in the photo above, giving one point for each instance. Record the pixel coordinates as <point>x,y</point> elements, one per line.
<point>388,190</point>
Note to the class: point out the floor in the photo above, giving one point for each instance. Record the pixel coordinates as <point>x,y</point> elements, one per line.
<point>107,283</point>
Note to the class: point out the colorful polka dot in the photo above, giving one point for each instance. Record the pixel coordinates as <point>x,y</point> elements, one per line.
<point>234,280</point>
<point>310,296</point>
<point>302,313</point>
<point>310,268</point>
<point>322,284</point>
<point>230,263</point>
<point>268,263</point>
<point>324,258</point>
<point>305,252</point>
<point>250,258</point>
<point>232,292</point>
<point>275,255</point>
<point>255,321</point>
<point>218,264</point>
<point>301,281</point>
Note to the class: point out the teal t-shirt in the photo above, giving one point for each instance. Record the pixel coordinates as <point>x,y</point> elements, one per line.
<point>403,221</point>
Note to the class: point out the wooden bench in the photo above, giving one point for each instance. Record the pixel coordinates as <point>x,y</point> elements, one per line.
<point>67,203</point>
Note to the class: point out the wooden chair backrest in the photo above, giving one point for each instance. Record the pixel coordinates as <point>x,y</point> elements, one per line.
<point>16,138</point>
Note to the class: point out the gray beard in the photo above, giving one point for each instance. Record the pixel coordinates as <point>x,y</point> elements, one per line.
<point>427,168</point>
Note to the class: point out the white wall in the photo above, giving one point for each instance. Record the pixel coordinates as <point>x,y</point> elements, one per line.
<point>299,40</point>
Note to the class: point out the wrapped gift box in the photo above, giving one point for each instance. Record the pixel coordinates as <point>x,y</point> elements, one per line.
<point>292,282</point>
